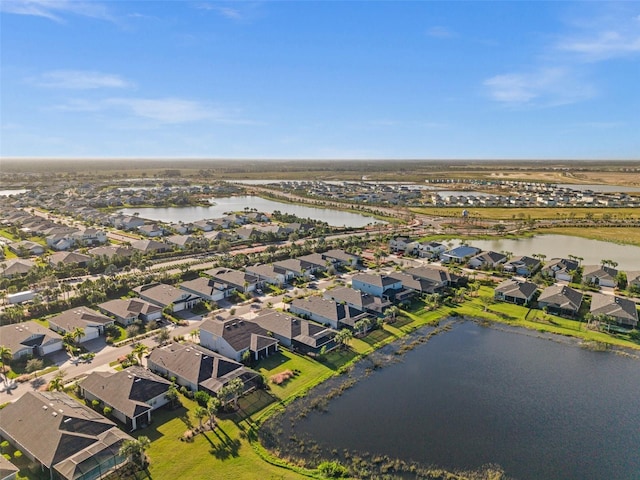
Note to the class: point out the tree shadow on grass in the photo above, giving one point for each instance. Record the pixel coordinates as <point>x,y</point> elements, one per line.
<point>226,448</point>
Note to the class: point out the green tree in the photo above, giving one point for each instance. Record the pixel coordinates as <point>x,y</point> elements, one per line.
<point>135,450</point>
<point>57,382</point>
<point>343,338</point>
<point>33,365</point>
<point>200,413</point>
<point>5,356</point>
<point>172,395</point>
<point>213,405</point>
<point>139,349</point>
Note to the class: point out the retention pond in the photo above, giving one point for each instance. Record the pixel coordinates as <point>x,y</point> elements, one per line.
<point>539,406</point>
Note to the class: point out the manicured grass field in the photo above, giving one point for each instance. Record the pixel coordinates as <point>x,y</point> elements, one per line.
<point>538,213</point>
<point>626,235</point>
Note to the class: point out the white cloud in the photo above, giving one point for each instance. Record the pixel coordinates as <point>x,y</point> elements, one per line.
<point>545,87</point>
<point>603,45</point>
<point>56,9</point>
<point>439,31</point>
<point>80,80</point>
<point>167,110</point>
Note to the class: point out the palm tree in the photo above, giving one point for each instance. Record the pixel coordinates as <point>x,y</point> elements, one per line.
<point>200,413</point>
<point>343,337</point>
<point>5,356</point>
<point>135,449</point>
<point>139,349</point>
<point>57,383</point>
<point>234,389</point>
<point>213,406</point>
<point>391,312</point>
<point>77,334</point>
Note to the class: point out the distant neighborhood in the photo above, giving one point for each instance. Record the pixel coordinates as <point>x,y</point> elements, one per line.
<point>199,308</point>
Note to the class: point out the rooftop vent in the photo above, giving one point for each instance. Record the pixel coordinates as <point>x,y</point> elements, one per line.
<point>44,407</point>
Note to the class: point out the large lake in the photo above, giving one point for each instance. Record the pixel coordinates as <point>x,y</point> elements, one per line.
<point>475,395</point>
<point>592,251</point>
<point>222,205</point>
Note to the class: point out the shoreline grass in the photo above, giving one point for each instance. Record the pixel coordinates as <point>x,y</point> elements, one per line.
<point>536,213</point>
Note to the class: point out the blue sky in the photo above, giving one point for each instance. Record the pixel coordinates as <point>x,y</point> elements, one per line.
<point>320,79</point>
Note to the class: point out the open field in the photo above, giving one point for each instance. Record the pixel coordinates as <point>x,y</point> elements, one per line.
<point>624,235</point>
<point>536,213</point>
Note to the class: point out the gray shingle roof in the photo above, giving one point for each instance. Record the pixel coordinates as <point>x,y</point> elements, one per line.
<point>561,296</point>
<point>79,317</point>
<point>515,289</point>
<point>128,307</point>
<point>239,333</point>
<point>30,333</point>
<point>127,390</point>
<point>622,309</point>
<point>58,431</point>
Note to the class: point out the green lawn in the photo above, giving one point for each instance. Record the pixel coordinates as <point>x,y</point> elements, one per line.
<point>222,454</point>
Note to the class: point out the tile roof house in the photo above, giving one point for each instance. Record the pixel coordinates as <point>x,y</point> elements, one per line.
<point>150,246</point>
<point>624,311</point>
<point>561,299</point>
<point>326,311</point>
<point>525,266</point>
<point>8,471</point>
<point>29,247</point>
<point>198,368</point>
<point>132,394</point>
<point>341,258</point>
<point>302,335</point>
<point>168,296</point>
<point>92,322</point>
<point>358,299</point>
<point>29,338</point>
<point>111,251</point>
<point>599,275</point>
<point>382,286</point>
<point>438,276</point>
<point>241,281</point>
<point>267,273</point>
<point>314,262</point>
<point>560,269</point>
<point>292,268</point>
<point>487,259</point>
<point>128,310</point>
<point>69,258</point>
<point>70,440</point>
<point>207,288</point>
<point>235,336</point>
<point>16,267</point>
<point>513,291</point>
<point>459,254</point>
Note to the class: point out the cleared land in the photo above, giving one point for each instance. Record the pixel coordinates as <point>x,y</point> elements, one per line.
<point>536,213</point>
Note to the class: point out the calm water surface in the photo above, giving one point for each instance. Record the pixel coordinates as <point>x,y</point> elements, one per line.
<point>475,395</point>
<point>222,205</point>
<point>592,251</point>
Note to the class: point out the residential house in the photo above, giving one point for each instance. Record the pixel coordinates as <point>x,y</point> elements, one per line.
<point>599,275</point>
<point>16,267</point>
<point>150,246</point>
<point>186,241</point>
<point>326,311</point>
<point>633,279</point>
<point>382,286</point>
<point>90,237</point>
<point>430,249</point>
<point>198,368</point>
<point>514,291</point>
<point>561,299</point>
<point>69,258</point>
<point>132,394</point>
<point>8,471</point>
<point>26,247</point>
<point>416,284</point>
<point>340,258</point>
<point>127,222</point>
<point>267,273</point>
<point>60,241</point>
<point>68,439</point>
<point>29,338</point>
<point>128,310</point>
<point>623,310</point>
<point>398,244</point>
<point>292,268</point>
<point>293,332</point>
<point>358,300</point>
<point>168,296</point>
<point>488,259</point>
<point>151,230</point>
<point>111,251</point>
<point>240,281</point>
<point>439,277</point>
<point>207,288</point>
<point>524,266</point>
<point>93,323</point>
<point>459,254</point>
<point>235,336</point>
<point>314,262</point>
<point>560,269</point>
